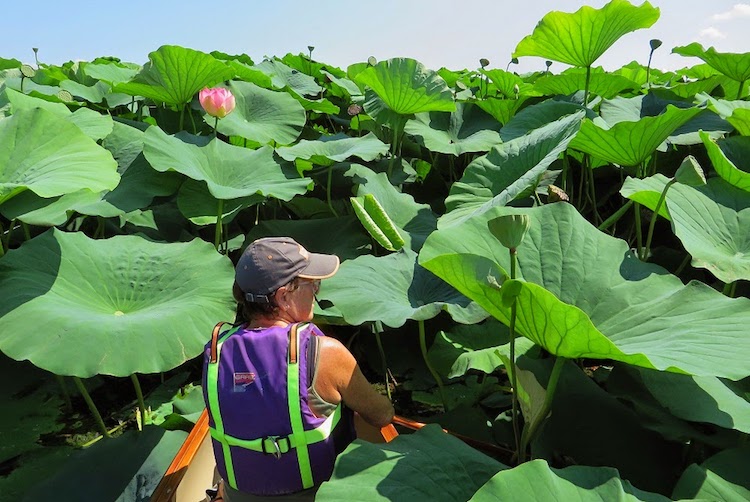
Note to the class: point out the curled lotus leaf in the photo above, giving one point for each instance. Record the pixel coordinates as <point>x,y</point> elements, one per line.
<point>77,306</point>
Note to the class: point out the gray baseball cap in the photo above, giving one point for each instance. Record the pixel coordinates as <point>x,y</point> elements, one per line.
<point>272,262</point>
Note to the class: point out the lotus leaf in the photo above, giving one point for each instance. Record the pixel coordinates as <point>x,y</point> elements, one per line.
<point>338,148</point>
<point>199,206</point>
<point>734,66</point>
<point>502,109</point>
<point>112,73</point>
<point>730,159</point>
<point>711,222</point>
<point>579,38</point>
<point>587,295</point>
<point>407,87</point>
<point>605,85</point>
<point>283,76</point>
<point>262,116</point>
<point>536,481</point>
<point>393,289</point>
<point>223,167</point>
<point>468,129</point>
<point>721,477</point>
<point>537,116</point>
<point>174,74</point>
<point>448,469</point>
<point>100,305</point>
<point>49,156</point>
<point>511,168</point>
<point>630,143</point>
<point>740,119</point>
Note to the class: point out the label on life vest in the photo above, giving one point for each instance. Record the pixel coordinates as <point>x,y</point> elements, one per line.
<point>242,381</point>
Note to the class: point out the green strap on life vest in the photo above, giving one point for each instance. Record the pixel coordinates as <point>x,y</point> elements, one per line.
<point>299,439</point>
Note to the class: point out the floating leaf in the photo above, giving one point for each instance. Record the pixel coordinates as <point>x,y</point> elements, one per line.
<point>105,303</point>
<point>579,38</point>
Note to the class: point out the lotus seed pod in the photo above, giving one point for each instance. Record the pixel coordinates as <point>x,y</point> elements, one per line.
<point>690,173</point>
<point>310,48</point>
<point>548,63</point>
<point>354,109</point>
<point>509,229</point>
<point>484,62</point>
<point>556,194</point>
<point>372,61</point>
<point>35,49</point>
<point>27,71</point>
<point>64,95</point>
<point>514,60</point>
<point>655,43</point>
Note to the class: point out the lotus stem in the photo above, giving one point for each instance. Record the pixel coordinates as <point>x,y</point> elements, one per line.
<point>2,245</point>
<point>192,121</point>
<point>638,230</point>
<point>217,235</point>
<point>648,68</point>
<point>739,91</point>
<point>616,216</point>
<point>26,232</point>
<point>182,116</point>
<point>378,328</point>
<point>216,125</point>
<point>423,347</point>
<point>586,88</point>
<point>65,393</point>
<point>530,431</point>
<point>139,395</point>
<point>683,264</point>
<point>513,373</point>
<point>590,172</point>
<point>10,233</point>
<point>651,225</point>
<point>92,407</point>
<point>328,190</point>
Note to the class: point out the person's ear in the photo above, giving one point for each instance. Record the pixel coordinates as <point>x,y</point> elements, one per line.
<point>280,296</point>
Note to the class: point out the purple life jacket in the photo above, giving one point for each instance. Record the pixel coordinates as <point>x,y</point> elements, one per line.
<point>265,441</point>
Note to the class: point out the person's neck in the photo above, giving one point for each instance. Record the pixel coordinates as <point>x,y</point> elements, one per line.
<point>267,322</point>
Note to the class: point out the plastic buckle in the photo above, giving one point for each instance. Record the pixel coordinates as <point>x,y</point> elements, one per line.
<point>276,452</point>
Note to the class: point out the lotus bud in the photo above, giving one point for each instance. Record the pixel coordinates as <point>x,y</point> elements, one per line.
<point>217,101</point>
<point>372,61</point>
<point>690,173</point>
<point>556,194</point>
<point>354,109</point>
<point>655,43</point>
<point>484,62</point>
<point>509,229</point>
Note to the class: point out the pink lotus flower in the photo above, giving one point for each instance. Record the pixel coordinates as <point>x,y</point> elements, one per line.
<point>217,101</point>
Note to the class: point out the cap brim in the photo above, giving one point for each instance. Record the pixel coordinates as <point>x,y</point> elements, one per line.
<point>320,266</point>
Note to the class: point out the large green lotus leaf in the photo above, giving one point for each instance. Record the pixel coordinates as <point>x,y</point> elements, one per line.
<point>579,38</point>
<point>283,76</point>
<point>502,109</point>
<point>48,212</point>
<point>347,86</point>
<point>707,400</point>
<point>474,347</point>
<point>582,419</point>
<point>587,295</point>
<point>511,168</point>
<point>317,105</point>
<point>723,107</point>
<point>337,148</point>
<point>93,93</point>
<point>106,303</point>
<point>112,73</point>
<point>721,477</point>
<point>468,129</point>
<point>174,74</point>
<point>630,143</point>
<point>95,125</point>
<point>506,81</point>
<point>199,206</point>
<point>231,172</point>
<point>690,89</point>
<point>249,73</point>
<point>342,236</point>
<point>734,66</point>
<point>50,156</point>
<point>537,116</point>
<point>711,221</point>
<point>33,407</point>
<point>407,87</point>
<point>416,220</point>
<point>426,465</point>
<point>605,85</point>
<point>128,468</point>
<point>647,192</point>
<point>536,481</point>
<point>393,289</point>
<point>740,119</point>
<point>262,115</point>
<point>730,159</point>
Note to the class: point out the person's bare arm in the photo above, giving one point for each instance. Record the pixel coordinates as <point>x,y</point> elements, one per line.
<point>340,379</point>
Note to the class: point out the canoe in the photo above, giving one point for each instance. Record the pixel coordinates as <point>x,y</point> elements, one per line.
<point>193,468</point>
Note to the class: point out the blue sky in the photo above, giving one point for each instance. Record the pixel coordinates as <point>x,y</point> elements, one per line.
<point>438,33</point>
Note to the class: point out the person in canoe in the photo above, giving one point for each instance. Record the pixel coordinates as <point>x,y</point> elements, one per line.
<point>280,394</point>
